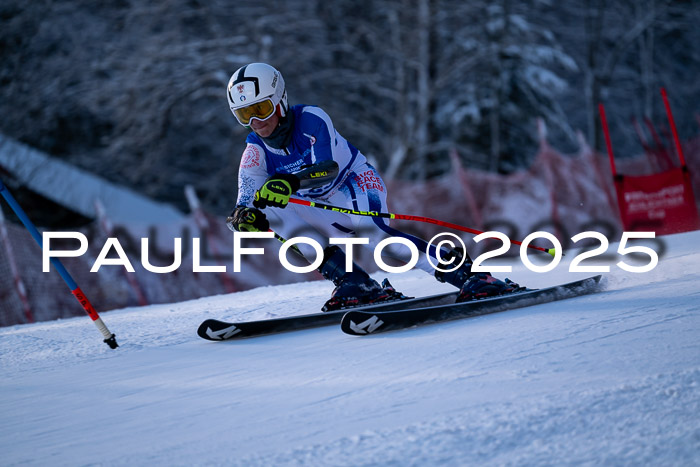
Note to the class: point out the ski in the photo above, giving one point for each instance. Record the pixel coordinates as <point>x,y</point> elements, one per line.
<point>364,322</point>
<point>216,330</point>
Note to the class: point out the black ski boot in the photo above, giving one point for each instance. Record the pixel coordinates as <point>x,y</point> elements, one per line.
<point>473,286</point>
<point>351,288</point>
<point>483,284</point>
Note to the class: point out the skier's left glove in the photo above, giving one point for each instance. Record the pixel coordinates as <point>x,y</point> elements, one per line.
<point>244,219</point>
<point>276,191</point>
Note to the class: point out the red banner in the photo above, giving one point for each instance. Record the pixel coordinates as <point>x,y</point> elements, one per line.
<point>663,202</point>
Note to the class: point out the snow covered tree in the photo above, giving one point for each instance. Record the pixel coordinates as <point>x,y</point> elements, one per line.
<point>134,91</point>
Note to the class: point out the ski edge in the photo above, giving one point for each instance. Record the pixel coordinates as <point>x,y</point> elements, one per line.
<point>217,330</point>
<point>364,323</point>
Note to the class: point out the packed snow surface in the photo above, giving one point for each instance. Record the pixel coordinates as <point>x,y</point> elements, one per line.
<point>611,378</point>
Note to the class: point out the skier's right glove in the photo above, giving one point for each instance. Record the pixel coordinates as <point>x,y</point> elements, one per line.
<point>244,219</point>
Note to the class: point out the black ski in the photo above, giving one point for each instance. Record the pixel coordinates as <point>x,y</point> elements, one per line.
<point>215,330</point>
<point>363,322</point>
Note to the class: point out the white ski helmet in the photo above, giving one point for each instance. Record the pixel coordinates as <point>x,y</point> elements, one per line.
<point>255,91</point>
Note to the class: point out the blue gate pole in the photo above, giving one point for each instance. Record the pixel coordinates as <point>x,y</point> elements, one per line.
<point>109,338</point>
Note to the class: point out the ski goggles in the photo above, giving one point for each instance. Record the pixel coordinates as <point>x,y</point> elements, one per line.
<point>261,110</point>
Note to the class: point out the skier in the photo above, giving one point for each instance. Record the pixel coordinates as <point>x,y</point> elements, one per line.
<point>285,140</point>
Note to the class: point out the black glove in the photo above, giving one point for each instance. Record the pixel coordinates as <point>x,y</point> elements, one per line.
<point>244,219</point>
<point>276,191</point>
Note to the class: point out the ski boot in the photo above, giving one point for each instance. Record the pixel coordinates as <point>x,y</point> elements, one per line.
<point>352,288</point>
<point>483,284</point>
<point>473,286</point>
<point>393,293</point>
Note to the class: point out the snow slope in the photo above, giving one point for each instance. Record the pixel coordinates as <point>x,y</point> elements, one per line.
<point>611,378</point>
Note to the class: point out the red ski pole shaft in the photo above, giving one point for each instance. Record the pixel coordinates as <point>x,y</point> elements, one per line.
<point>389,215</point>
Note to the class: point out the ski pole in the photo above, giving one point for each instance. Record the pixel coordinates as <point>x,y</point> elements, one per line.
<point>283,240</point>
<point>389,215</point>
<point>110,338</point>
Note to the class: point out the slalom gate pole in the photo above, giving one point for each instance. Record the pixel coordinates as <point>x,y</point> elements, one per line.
<point>19,284</point>
<point>608,143</point>
<point>110,338</point>
<point>389,215</point>
<point>674,131</point>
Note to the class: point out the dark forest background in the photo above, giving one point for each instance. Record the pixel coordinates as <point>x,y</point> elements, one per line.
<point>135,91</point>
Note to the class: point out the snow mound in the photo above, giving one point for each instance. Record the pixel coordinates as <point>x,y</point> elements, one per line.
<point>606,379</point>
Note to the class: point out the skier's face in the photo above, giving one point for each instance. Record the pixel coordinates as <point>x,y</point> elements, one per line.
<point>265,129</point>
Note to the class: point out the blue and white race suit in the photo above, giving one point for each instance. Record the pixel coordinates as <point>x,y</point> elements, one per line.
<point>357,186</point>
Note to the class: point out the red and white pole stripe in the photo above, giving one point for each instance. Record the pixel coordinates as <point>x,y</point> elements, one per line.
<point>19,284</point>
<point>109,338</point>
